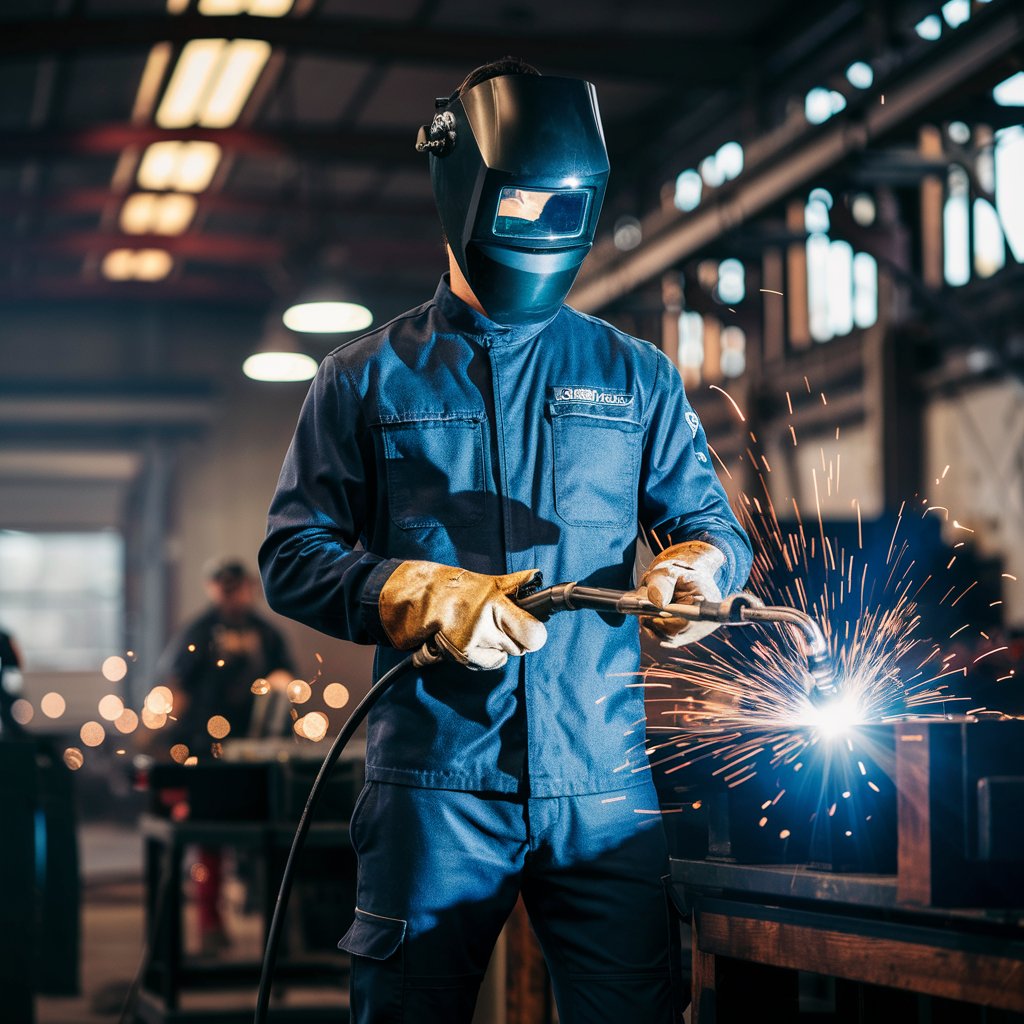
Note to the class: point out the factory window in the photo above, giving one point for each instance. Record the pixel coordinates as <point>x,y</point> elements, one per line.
<point>840,288</point>
<point>860,75</point>
<point>734,351</point>
<point>989,249</point>
<point>956,12</point>
<point>712,174</point>
<point>956,217</point>
<point>1009,173</point>
<point>820,104</point>
<point>691,343</point>
<point>689,186</point>
<point>62,597</point>
<point>816,217</point>
<point>1010,91</point>
<point>842,285</point>
<point>865,290</point>
<point>929,28</point>
<point>732,282</point>
<point>729,159</point>
<point>817,286</point>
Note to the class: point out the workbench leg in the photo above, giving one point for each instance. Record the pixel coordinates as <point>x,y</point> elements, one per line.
<point>172,925</point>
<point>728,991</point>
<point>859,1003</point>
<point>703,1002</point>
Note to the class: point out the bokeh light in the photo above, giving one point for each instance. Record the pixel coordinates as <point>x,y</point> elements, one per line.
<point>111,707</point>
<point>52,705</point>
<point>127,721</point>
<point>114,669</point>
<point>22,711</point>
<point>74,758</point>
<point>152,720</point>
<point>179,753</point>
<point>218,727</point>
<point>160,700</point>
<point>299,691</point>
<point>260,687</point>
<point>92,734</point>
<point>336,695</point>
<point>312,726</point>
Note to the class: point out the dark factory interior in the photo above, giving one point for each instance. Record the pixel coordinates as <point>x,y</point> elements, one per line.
<point>542,549</point>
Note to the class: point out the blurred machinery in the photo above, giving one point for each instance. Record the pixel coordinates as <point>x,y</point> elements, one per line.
<point>246,802</point>
<point>40,908</point>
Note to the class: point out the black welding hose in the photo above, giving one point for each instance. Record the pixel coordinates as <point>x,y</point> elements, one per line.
<point>337,747</point>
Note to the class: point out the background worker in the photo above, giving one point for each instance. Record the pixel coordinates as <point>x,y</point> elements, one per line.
<point>210,667</point>
<point>486,434</point>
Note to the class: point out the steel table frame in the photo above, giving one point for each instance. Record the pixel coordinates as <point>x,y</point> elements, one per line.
<point>843,926</point>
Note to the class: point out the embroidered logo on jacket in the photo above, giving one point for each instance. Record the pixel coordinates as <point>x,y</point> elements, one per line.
<point>691,418</point>
<point>595,395</point>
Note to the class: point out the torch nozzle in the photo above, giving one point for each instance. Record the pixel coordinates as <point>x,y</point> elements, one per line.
<point>823,686</point>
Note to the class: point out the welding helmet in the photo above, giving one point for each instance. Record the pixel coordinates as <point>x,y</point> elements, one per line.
<point>519,170</point>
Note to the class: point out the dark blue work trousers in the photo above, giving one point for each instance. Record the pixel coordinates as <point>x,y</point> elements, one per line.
<point>439,874</point>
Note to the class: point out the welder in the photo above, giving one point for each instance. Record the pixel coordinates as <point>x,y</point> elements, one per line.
<point>438,463</point>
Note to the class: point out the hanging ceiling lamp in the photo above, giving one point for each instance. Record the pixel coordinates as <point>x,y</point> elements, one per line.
<point>326,307</point>
<point>279,358</point>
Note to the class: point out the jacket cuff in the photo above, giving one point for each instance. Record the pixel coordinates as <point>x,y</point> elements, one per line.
<point>727,572</point>
<point>369,600</point>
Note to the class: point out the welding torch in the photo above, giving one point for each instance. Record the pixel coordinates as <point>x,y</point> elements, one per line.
<point>740,609</point>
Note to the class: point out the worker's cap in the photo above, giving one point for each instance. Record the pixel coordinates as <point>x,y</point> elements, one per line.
<point>230,573</point>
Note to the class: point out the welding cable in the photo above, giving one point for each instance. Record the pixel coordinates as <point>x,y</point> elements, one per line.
<point>337,747</point>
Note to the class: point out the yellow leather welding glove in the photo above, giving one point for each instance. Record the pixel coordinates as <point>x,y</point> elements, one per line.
<point>468,615</point>
<point>679,575</point>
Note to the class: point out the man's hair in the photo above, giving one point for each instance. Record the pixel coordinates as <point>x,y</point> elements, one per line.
<point>496,68</point>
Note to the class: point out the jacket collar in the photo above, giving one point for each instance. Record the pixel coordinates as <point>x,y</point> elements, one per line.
<point>468,322</point>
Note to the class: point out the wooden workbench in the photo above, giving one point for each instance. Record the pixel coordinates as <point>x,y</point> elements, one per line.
<point>754,927</point>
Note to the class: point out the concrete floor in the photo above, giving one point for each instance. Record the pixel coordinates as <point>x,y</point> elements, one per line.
<point>112,936</point>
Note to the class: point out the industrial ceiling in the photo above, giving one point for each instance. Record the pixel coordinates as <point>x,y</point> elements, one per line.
<point>189,151</point>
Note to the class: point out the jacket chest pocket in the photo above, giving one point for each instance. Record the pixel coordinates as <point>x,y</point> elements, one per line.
<point>597,463</point>
<point>435,469</point>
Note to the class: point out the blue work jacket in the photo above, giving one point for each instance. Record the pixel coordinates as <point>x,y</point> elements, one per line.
<point>446,437</point>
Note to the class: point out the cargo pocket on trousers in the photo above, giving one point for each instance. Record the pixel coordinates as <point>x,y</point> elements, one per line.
<point>377,972</point>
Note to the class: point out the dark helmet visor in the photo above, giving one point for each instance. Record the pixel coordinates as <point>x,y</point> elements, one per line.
<point>531,214</point>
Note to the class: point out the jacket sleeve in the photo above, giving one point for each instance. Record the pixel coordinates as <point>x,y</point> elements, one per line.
<point>311,566</point>
<point>680,494</point>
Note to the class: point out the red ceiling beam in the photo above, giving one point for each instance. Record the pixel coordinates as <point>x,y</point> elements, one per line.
<point>111,139</point>
<point>232,249</point>
<point>374,254</point>
<point>94,200</point>
<point>188,288</point>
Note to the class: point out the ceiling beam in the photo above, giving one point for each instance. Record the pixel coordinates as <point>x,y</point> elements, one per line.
<point>646,56</point>
<point>241,250</point>
<point>244,292</point>
<point>395,149</point>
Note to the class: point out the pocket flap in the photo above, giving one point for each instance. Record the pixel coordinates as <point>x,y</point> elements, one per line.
<point>373,936</point>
